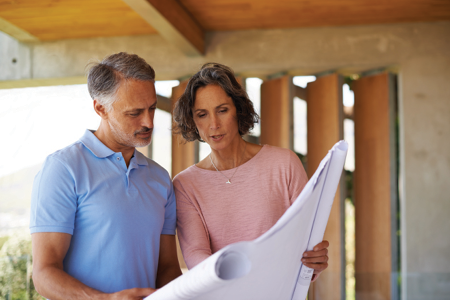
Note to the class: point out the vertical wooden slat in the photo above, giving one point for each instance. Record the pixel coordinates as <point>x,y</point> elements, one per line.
<point>183,155</point>
<point>276,112</point>
<point>325,128</point>
<point>375,188</point>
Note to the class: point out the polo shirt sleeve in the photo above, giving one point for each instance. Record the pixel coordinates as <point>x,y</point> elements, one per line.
<point>170,217</point>
<point>53,200</point>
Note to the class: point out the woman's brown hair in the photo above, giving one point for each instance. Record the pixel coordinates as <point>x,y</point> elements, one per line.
<point>223,76</point>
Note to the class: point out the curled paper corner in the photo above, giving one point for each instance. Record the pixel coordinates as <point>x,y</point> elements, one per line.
<point>342,145</point>
<point>339,146</point>
<point>233,265</point>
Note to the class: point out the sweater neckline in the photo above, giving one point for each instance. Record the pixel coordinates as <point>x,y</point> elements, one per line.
<point>251,160</point>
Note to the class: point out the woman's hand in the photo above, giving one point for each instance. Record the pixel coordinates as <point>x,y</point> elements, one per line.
<point>317,259</point>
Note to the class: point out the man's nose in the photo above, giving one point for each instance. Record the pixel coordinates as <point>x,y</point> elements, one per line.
<point>147,121</point>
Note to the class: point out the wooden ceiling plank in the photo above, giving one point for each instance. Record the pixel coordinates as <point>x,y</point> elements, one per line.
<point>218,15</point>
<point>16,32</point>
<point>56,20</point>
<point>172,22</point>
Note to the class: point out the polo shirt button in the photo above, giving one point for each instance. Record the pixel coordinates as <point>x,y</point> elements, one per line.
<point>118,158</point>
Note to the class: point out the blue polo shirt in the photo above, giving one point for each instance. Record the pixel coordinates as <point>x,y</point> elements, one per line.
<point>115,214</point>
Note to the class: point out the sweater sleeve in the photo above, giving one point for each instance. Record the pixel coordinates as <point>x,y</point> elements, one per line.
<point>297,177</point>
<point>191,230</point>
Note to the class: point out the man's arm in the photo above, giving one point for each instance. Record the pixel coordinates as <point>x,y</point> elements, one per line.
<point>50,280</point>
<point>168,266</point>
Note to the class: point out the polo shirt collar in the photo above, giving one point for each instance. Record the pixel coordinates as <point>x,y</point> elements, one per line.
<point>99,149</point>
<point>140,158</point>
<point>91,142</point>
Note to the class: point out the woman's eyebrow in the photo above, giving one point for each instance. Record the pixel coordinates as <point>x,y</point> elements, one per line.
<point>202,109</point>
<point>222,104</point>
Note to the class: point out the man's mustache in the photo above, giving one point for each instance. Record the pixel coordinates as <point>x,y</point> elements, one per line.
<point>143,130</point>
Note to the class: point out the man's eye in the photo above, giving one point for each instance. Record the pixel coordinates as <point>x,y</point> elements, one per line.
<point>134,115</point>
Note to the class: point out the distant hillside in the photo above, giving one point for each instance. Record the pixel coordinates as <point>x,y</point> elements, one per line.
<point>15,198</point>
<point>15,190</point>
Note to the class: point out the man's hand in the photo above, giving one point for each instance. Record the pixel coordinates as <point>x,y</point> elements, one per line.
<point>317,259</point>
<point>50,280</point>
<point>132,294</point>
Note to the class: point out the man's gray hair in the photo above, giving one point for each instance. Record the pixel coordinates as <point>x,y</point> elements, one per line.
<point>104,78</point>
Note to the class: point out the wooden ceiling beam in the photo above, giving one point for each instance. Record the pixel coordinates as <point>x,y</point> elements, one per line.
<point>300,92</point>
<point>172,22</point>
<point>16,32</point>
<point>164,103</point>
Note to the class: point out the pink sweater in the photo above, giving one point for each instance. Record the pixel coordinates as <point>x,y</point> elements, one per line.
<point>212,214</point>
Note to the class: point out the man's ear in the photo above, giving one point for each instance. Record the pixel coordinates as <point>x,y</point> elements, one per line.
<point>100,110</point>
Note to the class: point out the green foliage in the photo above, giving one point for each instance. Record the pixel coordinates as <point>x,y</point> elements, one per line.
<point>349,80</point>
<point>15,269</point>
<point>3,239</point>
<point>303,159</point>
<point>348,177</point>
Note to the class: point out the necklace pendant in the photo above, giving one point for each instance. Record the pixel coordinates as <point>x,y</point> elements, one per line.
<point>228,181</point>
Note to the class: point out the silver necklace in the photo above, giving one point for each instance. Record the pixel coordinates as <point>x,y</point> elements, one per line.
<point>228,179</point>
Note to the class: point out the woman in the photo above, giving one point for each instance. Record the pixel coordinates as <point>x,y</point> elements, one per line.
<point>241,189</point>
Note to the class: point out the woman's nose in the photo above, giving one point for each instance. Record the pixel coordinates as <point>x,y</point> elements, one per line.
<point>214,122</point>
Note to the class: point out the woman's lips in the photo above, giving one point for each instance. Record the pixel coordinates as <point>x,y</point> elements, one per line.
<point>217,138</point>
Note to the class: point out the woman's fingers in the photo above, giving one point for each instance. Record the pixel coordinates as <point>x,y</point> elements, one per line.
<point>317,259</point>
<point>323,252</point>
<point>321,245</point>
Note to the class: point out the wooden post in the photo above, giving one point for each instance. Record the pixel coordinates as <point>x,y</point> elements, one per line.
<point>375,188</point>
<point>325,128</point>
<point>183,155</point>
<point>277,112</point>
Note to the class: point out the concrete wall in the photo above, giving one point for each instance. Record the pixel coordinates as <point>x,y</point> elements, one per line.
<point>420,52</point>
<point>302,51</point>
<point>11,49</point>
<point>425,113</point>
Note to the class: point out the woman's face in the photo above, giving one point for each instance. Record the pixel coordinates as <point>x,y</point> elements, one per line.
<point>215,116</point>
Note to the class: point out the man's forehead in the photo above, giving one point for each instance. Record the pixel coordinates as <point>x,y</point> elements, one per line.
<point>133,94</point>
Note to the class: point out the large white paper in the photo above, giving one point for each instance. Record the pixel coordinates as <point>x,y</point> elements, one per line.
<point>269,267</point>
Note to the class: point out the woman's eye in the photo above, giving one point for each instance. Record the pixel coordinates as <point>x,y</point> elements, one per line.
<point>223,110</point>
<point>201,116</point>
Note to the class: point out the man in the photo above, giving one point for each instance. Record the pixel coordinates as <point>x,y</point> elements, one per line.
<point>102,214</point>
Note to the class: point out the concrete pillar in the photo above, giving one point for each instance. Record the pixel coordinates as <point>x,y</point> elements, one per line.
<point>325,128</point>
<point>276,112</point>
<point>375,188</point>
